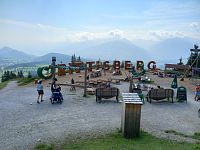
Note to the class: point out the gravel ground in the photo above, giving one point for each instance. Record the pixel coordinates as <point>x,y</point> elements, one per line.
<point>23,125</point>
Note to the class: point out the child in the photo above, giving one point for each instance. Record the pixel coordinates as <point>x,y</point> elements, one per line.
<point>40,91</point>
<point>197,95</point>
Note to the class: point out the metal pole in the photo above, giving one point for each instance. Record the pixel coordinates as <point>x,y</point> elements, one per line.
<point>85,81</point>
<point>53,64</point>
<point>197,66</point>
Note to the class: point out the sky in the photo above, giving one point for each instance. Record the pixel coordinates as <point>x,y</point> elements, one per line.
<point>38,24</point>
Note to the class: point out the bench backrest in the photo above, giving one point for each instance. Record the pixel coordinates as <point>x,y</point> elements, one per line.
<point>169,93</point>
<point>107,92</point>
<point>161,93</point>
<point>157,94</point>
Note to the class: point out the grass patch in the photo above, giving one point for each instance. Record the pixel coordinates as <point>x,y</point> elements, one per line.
<point>45,147</point>
<point>25,81</point>
<point>116,141</point>
<point>195,136</point>
<point>3,84</point>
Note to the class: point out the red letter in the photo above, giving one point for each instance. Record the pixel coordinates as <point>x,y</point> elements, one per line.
<point>106,65</point>
<point>149,65</point>
<point>127,65</point>
<point>90,65</point>
<point>140,65</point>
<point>78,65</point>
<point>61,70</point>
<point>116,65</point>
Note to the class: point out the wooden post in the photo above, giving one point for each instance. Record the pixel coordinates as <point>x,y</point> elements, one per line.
<point>85,81</point>
<point>131,85</point>
<point>131,114</point>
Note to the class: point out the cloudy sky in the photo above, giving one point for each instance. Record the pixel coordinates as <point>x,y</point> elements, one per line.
<point>34,24</point>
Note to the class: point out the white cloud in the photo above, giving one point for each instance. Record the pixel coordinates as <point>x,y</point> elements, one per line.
<point>195,26</point>
<point>160,35</point>
<point>116,34</point>
<point>82,36</point>
<point>29,34</point>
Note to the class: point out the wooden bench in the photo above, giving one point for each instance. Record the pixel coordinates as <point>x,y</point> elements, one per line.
<point>106,93</point>
<point>160,94</point>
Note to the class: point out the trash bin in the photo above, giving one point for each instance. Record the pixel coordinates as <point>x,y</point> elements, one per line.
<point>131,114</point>
<point>181,94</point>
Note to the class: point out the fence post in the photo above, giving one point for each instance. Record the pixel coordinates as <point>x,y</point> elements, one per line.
<point>85,81</point>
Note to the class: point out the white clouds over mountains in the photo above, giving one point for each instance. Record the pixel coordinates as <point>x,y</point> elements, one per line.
<point>11,30</point>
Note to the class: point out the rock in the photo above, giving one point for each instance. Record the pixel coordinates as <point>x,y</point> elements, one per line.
<point>38,140</point>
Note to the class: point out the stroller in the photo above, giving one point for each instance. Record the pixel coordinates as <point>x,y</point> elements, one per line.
<point>56,96</point>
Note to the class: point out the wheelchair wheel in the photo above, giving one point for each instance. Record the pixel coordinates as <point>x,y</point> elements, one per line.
<point>52,100</point>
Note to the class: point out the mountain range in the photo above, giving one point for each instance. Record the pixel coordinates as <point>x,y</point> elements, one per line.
<point>120,49</point>
<point>11,58</point>
<point>9,53</point>
<point>172,48</point>
<point>166,51</point>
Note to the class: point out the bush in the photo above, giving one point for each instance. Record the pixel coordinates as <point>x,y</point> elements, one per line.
<point>29,75</point>
<point>8,75</point>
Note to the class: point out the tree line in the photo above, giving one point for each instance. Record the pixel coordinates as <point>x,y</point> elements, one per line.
<point>8,75</point>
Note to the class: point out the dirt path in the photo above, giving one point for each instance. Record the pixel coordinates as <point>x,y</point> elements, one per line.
<point>23,125</point>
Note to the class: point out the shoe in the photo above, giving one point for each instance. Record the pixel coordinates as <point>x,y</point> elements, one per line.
<point>42,100</point>
<point>38,102</point>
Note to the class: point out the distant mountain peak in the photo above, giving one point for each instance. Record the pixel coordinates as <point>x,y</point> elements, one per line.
<point>16,55</point>
<point>6,48</point>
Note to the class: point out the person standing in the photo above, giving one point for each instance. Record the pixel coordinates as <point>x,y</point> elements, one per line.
<point>40,91</point>
<point>88,77</point>
<point>54,85</point>
<point>73,87</point>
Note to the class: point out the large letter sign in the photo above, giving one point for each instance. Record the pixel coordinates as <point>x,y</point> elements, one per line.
<point>106,65</point>
<point>153,66</point>
<point>90,65</point>
<point>116,65</point>
<point>127,65</point>
<point>140,65</point>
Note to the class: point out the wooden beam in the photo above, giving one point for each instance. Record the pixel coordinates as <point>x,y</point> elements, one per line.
<point>76,85</point>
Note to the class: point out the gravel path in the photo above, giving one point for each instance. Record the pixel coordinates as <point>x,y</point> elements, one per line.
<point>23,125</point>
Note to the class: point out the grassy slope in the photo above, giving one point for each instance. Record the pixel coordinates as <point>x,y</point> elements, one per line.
<point>21,82</point>
<point>117,142</point>
<point>25,81</point>
<point>3,84</point>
